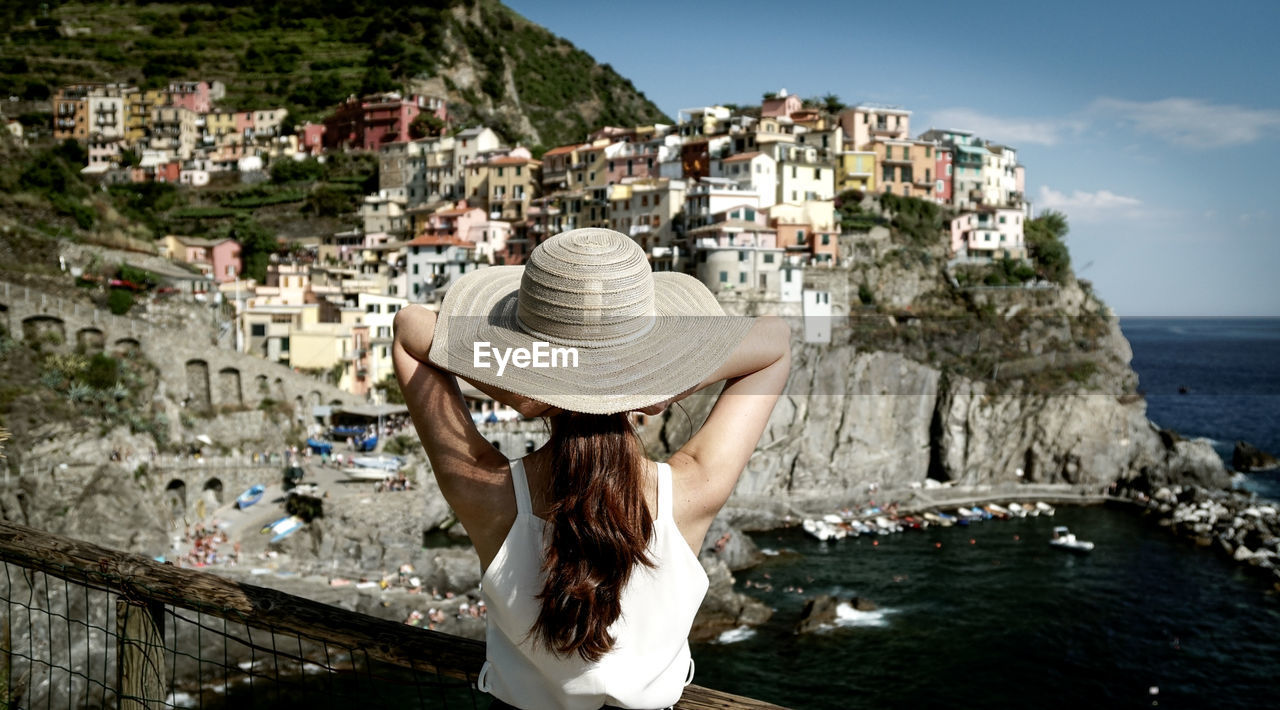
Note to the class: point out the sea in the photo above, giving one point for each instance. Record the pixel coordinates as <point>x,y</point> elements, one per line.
<point>990,615</point>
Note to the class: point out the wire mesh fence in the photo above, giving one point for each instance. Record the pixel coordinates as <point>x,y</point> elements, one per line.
<point>88,627</point>
<point>62,647</point>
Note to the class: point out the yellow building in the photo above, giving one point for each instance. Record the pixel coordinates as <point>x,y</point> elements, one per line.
<point>856,171</point>
<point>504,185</point>
<point>905,167</point>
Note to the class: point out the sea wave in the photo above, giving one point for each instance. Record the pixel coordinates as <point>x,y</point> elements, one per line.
<point>742,633</point>
<point>846,615</point>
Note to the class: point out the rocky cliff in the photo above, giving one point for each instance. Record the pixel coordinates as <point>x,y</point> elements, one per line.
<point>1046,396</point>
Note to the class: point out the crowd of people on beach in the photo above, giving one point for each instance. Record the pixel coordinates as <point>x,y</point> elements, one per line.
<point>204,551</point>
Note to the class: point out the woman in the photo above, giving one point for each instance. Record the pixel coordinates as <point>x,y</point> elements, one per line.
<point>589,549</point>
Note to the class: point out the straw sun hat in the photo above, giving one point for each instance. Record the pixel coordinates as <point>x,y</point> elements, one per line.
<point>639,337</point>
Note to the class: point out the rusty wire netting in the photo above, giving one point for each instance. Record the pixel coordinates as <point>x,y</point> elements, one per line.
<point>60,647</point>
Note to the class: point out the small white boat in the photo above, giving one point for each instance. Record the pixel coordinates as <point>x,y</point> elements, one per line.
<point>936,519</point>
<point>1066,540</point>
<point>1044,508</point>
<point>823,530</point>
<point>1016,509</point>
<point>386,463</point>
<point>367,474</point>
<point>286,528</point>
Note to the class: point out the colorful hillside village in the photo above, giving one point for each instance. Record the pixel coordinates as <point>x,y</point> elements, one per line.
<point>745,199</point>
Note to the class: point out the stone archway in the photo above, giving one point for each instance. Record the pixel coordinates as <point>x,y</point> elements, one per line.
<point>229,387</point>
<point>261,386</point>
<point>127,347</point>
<point>44,330</point>
<point>278,391</point>
<point>212,492</point>
<point>198,385</point>
<point>175,497</point>
<point>91,340</point>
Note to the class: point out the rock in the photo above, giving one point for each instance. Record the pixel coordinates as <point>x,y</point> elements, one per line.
<point>724,608</point>
<point>1248,458</point>
<point>731,545</point>
<point>863,604</point>
<point>818,612</point>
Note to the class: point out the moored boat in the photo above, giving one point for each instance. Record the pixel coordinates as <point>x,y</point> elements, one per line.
<point>250,496</point>
<point>997,511</point>
<point>1044,508</point>
<point>286,528</point>
<point>1064,539</point>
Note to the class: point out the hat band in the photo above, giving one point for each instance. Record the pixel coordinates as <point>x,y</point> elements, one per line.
<point>589,342</point>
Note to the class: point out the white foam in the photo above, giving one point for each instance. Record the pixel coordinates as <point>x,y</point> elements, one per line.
<point>742,633</point>
<point>180,699</point>
<point>846,615</point>
<point>768,551</point>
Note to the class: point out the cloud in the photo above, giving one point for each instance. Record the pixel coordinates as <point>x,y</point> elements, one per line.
<point>1089,206</point>
<point>1011,130</point>
<point>1192,122</point>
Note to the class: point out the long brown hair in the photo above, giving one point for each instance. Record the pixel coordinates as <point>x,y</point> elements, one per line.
<point>599,531</point>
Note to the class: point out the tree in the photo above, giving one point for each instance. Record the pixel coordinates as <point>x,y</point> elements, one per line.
<point>425,125</point>
<point>1045,236</point>
<point>832,103</point>
<point>256,247</point>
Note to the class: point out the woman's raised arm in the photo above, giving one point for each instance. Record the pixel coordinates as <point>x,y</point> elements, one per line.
<point>714,457</point>
<point>459,454</point>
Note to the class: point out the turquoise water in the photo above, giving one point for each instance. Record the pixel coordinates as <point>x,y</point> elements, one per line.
<point>1009,621</point>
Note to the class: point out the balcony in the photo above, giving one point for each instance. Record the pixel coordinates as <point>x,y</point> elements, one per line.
<point>883,129</point>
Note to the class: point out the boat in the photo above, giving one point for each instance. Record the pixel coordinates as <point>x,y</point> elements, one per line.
<point>250,496</point>
<point>997,511</point>
<point>386,463</point>
<point>1016,510</point>
<point>937,519</point>
<point>823,530</point>
<point>319,446</point>
<point>362,473</point>
<point>287,527</point>
<point>982,513</point>
<point>1066,540</point>
<point>271,527</point>
<point>1044,508</point>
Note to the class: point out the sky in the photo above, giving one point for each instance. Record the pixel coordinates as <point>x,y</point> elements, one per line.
<point>1155,126</point>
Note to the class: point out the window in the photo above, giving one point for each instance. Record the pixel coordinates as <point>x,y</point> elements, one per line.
<point>518,169</point>
<point>817,173</point>
<point>793,171</point>
<point>887,174</point>
<point>1002,219</point>
<point>799,236</point>
<point>258,330</point>
<point>768,258</point>
<point>941,187</point>
<point>928,152</point>
<point>751,215</point>
<point>826,239</point>
<point>284,345</point>
<point>724,277</point>
<point>888,152</point>
<point>742,256</point>
<point>499,172</point>
<point>644,200</point>
<point>742,277</point>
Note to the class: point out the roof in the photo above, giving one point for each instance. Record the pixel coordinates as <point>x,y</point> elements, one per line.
<point>508,160</point>
<point>430,240</point>
<point>558,150</point>
<point>731,225</point>
<point>743,156</point>
<point>199,241</point>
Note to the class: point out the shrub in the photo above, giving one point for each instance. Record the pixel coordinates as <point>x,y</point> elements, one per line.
<point>119,301</point>
<point>102,372</point>
<point>865,295</point>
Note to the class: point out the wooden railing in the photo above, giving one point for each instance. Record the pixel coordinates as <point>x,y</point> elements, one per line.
<point>150,596</point>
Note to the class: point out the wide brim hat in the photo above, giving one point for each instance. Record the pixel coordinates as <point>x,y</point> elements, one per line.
<point>599,330</point>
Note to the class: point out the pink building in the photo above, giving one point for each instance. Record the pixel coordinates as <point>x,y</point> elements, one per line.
<point>456,222</point>
<point>193,95</point>
<point>216,258</point>
<point>374,120</point>
<point>942,169</point>
<point>633,160</point>
<point>313,138</point>
<point>781,106</point>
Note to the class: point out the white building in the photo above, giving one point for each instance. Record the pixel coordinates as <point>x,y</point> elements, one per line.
<point>817,316</point>
<point>753,172</point>
<point>434,262</point>
<point>710,196</point>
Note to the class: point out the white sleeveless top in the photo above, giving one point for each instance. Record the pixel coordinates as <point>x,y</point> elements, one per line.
<point>649,664</point>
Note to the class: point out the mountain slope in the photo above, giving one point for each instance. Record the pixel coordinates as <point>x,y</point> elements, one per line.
<point>491,63</point>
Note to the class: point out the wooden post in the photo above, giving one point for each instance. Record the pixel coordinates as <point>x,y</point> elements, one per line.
<point>140,671</point>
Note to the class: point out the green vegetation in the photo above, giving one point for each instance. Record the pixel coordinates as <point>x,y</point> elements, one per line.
<point>920,221</point>
<point>310,56</point>
<point>119,301</point>
<point>1046,241</point>
<point>390,390</point>
<point>257,244</point>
